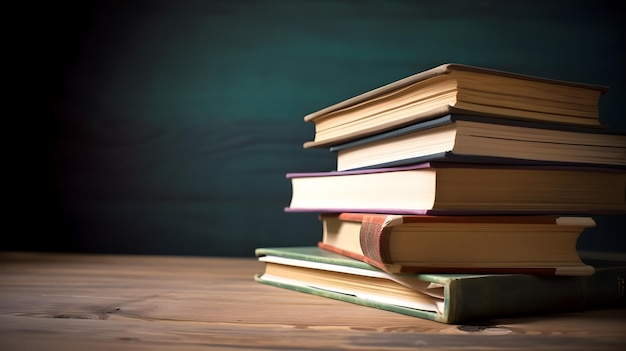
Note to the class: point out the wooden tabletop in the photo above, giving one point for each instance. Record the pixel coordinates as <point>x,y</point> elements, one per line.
<point>115,302</point>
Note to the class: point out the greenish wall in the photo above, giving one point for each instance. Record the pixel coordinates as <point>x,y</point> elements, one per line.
<point>167,126</point>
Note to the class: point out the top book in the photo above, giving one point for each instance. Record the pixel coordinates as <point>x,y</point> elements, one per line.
<point>456,88</point>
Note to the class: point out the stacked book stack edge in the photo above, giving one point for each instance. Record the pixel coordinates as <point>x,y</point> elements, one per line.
<point>460,193</point>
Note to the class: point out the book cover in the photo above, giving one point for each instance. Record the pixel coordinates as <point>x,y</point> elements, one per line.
<point>583,96</point>
<point>458,188</point>
<point>445,298</point>
<point>500,140</point>
<point>484,244</point>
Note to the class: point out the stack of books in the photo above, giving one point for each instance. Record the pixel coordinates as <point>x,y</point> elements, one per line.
<point>460,193</point>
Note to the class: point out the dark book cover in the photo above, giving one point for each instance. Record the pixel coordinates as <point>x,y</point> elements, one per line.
<point>450,156</point>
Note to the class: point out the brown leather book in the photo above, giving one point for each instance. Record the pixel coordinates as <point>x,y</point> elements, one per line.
<point>456,88</point>
<point>459,244</point>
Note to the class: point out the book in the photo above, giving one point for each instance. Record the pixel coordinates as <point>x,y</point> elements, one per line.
<point>440,188</point>
<point>445,298</point>
<point>456,88</point>
<point>459,244</point>
<point>465,138</point>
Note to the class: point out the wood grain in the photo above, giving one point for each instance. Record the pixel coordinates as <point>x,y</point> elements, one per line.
<point>103,302</point>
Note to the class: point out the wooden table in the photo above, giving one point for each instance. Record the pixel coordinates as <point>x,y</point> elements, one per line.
<point>114,302</point>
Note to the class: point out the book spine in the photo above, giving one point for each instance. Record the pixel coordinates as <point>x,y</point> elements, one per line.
<point>481,298</point>
<point>374,237</point>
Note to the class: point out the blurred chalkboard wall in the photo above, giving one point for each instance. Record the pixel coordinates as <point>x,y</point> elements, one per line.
<point>166,127</point>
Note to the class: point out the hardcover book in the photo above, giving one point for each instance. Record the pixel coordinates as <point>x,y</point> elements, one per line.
<point>445,298</point>
<point>465,138</point>
<point>458,188</point>
<point>459,244</point>
<point>456,88</point>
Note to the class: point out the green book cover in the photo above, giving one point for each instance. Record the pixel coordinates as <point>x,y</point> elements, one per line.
<point>446,298</point>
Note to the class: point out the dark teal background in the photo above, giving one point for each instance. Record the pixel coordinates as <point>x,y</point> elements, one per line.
<point>167,127</point>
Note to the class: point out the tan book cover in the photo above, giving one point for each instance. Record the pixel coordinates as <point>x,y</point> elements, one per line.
<point>456,88</point>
